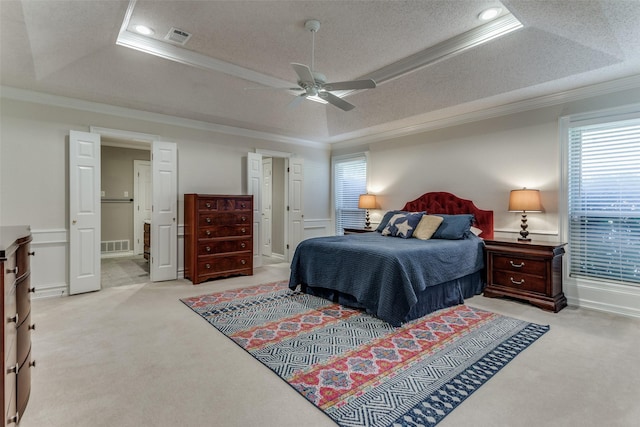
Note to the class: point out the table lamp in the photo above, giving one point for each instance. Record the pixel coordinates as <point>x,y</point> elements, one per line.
<point>367,201</point>
<point>524,201</point>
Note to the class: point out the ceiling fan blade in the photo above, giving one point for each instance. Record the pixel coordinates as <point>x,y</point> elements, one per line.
<point>353,84</point>
<point>303,72</point>
<point>337,101</point>
<point>297,100</point>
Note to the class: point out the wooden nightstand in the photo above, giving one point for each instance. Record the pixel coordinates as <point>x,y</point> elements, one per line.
<point>358,230</point>
<point>531,271</point>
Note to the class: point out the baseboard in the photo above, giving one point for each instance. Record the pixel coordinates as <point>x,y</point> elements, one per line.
<point>51,291</point>
<point>607,297</point>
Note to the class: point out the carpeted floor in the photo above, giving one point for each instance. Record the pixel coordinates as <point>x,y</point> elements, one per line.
<point>121,271</point>
<point>360,370</point>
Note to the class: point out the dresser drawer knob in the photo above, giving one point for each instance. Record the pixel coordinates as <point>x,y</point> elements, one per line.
<point>32,290</point>
<point>208,232</point>
<point>515,282</point>
<point>32,327</point>
<point>243,230</point>
<point>208,266</point>
<point>243,261</point>
<point>208,249</point>
<point>13,270</point>
<point>13,369</point>
<point>208,205</point>
<point>243,245</point>
<point>208,220</point>
<point>32,364</point>
<point>243,205</point>
<point>244,218</point>
<point>32,253</point>
<point>13,319</point>
<point>517,265</point>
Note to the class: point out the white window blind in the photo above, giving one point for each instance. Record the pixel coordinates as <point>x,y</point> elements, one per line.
<point>350,180</point>
<point>604,201</point>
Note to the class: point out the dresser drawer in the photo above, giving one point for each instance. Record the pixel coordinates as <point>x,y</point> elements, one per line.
<point>223,219</point>
<point>23,385</point>
<point>519,265</point>
<point>218,204</point>
<point>225,263</point>
<point>24,339</point>
<point>224,231</point>
<point>223,246</point>
<point>23,298</point>
<point>526,282</point>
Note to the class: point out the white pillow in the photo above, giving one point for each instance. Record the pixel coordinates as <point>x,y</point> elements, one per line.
<point>427,226</point>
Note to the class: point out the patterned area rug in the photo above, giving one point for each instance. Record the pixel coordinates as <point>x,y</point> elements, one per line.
<point>360,370</point>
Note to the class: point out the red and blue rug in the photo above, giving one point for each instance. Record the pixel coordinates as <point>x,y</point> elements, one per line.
<point>360,370</point>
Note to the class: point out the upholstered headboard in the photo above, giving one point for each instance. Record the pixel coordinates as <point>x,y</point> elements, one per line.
<point>447,203</point>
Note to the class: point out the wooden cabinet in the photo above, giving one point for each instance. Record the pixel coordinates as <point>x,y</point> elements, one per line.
<point>147,240</point>
<point>16,312</point>
<point>526,270</point>
<point>218,236</point>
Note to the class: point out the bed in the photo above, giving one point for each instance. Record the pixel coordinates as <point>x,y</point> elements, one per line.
<point>398,279</point>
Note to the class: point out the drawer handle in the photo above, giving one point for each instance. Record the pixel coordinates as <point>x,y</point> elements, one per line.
<point>14,419</point>
<point>208,266</point>
<point>243,261</point>
<point>208,205</point>
<point>243,205</point>
<point>243,230</point>
<point>208,232</point>
<point>208,220</point>
<point>516,282</point>
<point>13,369</point>
<point>32,253</point>
<point>32,290</point>
<point>208,249</point>
<point>32,364</point>
<point>13,270</point>
<point>32,327</point>
<point>517,265</point>
<point>243,245</point>
<point>13,319</point>
<point>244,218</point>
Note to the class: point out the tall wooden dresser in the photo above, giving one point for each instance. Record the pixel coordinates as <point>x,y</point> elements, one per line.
<point>218,238</point>
<point>16,312</point>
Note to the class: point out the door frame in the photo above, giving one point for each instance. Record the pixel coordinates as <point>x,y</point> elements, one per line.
<point>138,199</point>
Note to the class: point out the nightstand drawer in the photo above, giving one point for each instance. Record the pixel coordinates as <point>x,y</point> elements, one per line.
<point>525,282</point>
<point>519,265</point>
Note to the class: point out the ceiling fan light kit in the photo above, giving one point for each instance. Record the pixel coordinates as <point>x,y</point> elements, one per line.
<point>314,84</point>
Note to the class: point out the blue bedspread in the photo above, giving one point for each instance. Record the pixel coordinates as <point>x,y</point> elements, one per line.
<point>384,274</point>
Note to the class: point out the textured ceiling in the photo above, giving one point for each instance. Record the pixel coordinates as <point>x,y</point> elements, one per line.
<point>69,48</point>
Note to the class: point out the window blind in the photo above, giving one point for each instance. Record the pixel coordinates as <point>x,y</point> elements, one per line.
<point>350,180</point>
<point>604,201</point>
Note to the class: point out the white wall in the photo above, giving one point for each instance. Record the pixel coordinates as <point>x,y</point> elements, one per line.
<point>34,176</point>
<point>484,160</point>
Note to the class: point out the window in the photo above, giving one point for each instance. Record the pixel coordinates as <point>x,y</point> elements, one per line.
<point>603,189</point>
<point>349,181</point>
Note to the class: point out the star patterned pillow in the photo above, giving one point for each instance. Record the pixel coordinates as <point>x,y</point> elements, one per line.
<point>402,224</point>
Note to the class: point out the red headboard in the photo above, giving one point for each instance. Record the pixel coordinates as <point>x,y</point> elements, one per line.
<point>447,203</point>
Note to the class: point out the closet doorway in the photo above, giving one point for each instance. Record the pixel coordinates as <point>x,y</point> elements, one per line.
<point>273,210</point>
<point>125,209</point>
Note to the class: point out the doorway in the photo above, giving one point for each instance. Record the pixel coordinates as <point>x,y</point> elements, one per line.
<point>273,210</point>
<point>125,207</point>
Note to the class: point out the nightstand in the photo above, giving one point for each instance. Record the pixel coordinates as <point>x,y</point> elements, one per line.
<point>530,271</point>
<point>358,230</point>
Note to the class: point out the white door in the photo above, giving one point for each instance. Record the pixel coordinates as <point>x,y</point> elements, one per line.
<point>254,187</point>
<point>267,203</point>
<point>84,212</point>
<point>296,204</point>
<point>164,227</point>
<point>142,202</point>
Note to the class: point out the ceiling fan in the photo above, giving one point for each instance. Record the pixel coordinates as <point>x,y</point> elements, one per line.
<point>314,84</point>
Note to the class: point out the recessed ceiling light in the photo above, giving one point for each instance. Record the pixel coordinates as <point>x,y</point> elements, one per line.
<point>144,30</point>
<point>490,13</point>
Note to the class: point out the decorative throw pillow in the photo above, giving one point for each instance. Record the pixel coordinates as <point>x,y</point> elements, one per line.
<point>385,220</point>
<point>427,226</point>
<point>402,224</point>
<point>476,230</point>
<point>453,227</point>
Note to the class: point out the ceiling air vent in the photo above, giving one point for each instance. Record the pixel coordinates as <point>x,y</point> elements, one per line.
<point>178,36</point>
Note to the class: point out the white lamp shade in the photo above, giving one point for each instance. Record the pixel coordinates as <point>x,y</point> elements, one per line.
<point>367,201</point>
<point>525,200</point>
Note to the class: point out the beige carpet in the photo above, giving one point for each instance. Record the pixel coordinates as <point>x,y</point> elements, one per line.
<point>134,355</point>
<point>119,271</point>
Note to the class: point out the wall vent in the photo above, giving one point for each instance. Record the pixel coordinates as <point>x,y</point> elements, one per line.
<point>113,246</point>
<point>178,36</point>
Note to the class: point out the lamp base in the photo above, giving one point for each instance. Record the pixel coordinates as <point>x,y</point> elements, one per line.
<point>524,239</point>
<point>523,232</point>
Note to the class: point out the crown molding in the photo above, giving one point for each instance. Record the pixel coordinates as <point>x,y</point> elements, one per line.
<point>130,113</point>
<point>356,138</point>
